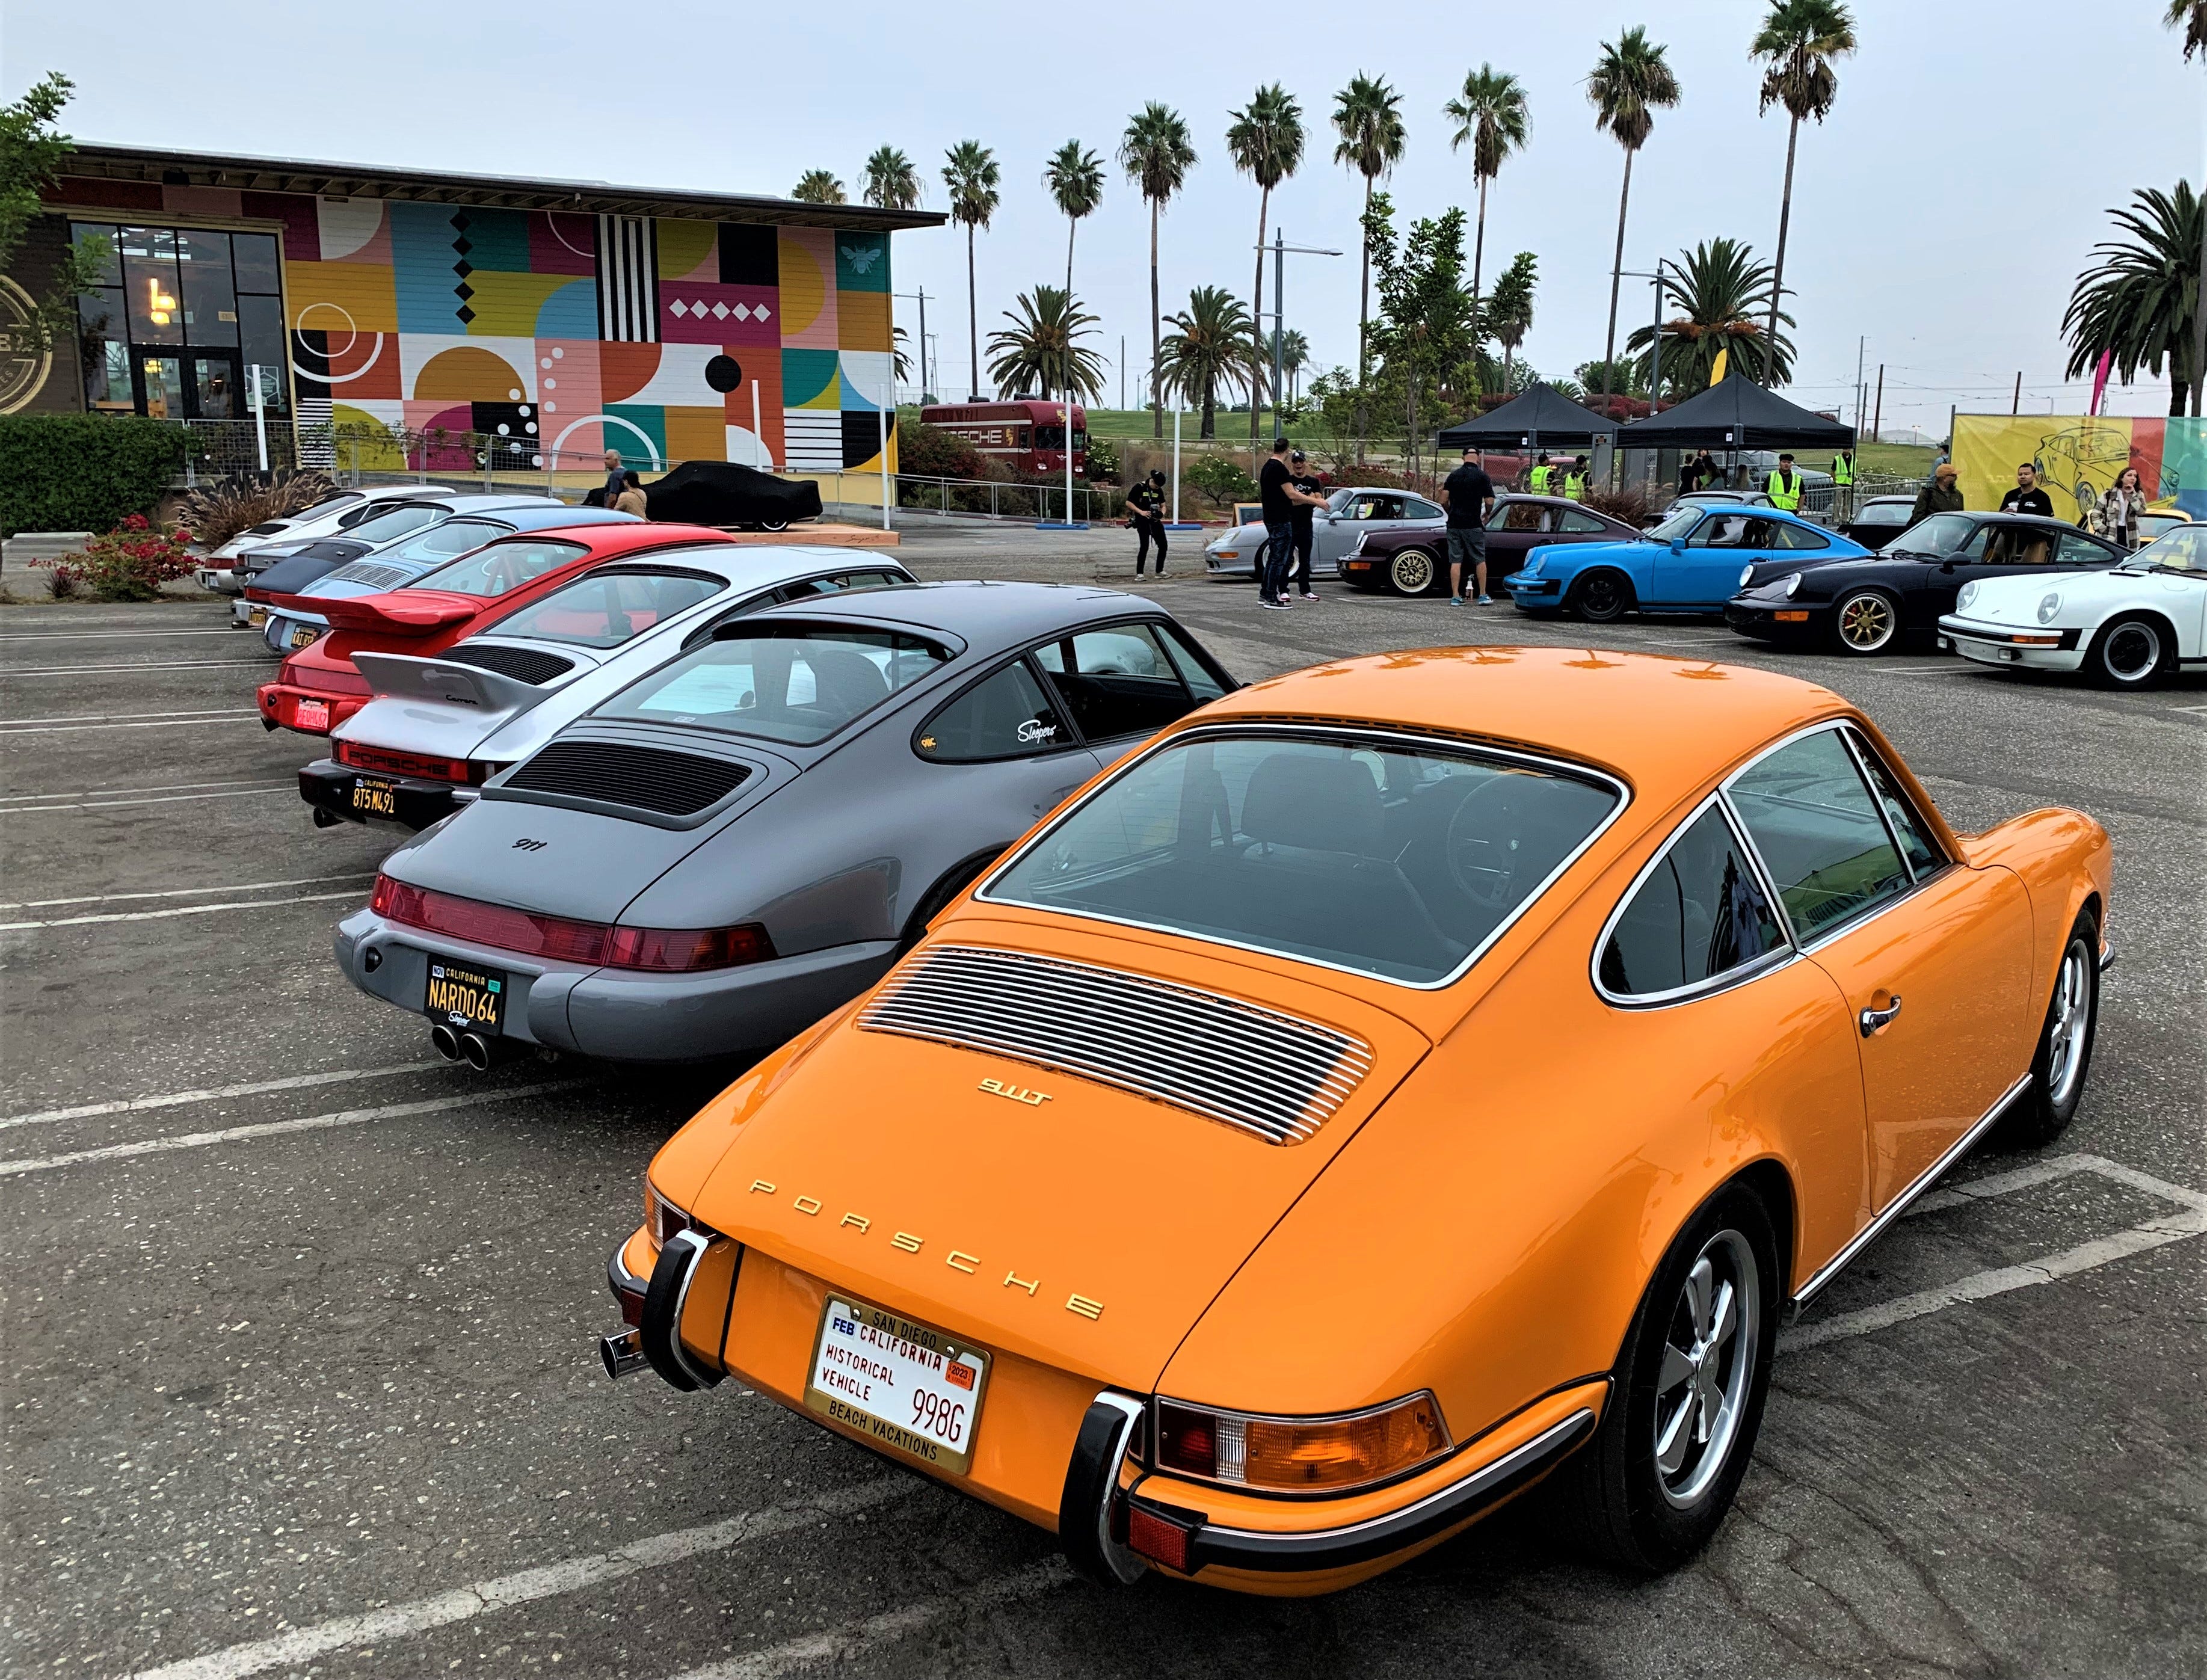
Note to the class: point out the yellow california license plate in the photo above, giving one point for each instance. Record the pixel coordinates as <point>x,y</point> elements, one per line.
<point>303,636</point>
<point>373,797</point>
<point>257,614</point>
<point>908,1386</point>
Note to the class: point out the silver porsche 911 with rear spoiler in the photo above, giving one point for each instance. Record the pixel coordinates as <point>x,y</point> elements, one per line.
<point>439,727</point>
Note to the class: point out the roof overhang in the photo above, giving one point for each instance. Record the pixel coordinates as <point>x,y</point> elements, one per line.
<point>166,168</point>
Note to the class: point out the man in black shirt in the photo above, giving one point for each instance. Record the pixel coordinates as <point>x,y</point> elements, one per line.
<point>1146,513</point>
<point>1304,512</point>
<point>1468,495</point>
<point>1276,491</point>
<point>2027,496</point>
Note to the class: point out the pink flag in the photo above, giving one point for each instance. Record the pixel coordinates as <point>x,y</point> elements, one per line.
<point>2099,380</point>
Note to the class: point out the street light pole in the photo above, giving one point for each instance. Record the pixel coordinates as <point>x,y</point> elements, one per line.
<point>922,296</point>
<point>1280,250</point>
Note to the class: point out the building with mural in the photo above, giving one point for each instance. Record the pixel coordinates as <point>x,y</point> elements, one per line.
<point>546,321</point>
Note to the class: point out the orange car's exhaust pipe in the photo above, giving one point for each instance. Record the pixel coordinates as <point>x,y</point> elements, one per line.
<point>622,1354</point>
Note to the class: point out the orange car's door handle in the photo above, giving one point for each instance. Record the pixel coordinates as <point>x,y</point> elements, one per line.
<point>1872,1020</point>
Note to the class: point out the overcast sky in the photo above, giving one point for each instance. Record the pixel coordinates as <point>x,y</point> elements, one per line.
<point>1943,211</point>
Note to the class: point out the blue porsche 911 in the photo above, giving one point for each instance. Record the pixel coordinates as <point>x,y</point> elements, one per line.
<point>1694,561</point>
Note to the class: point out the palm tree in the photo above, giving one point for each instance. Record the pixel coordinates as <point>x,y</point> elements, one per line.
<point>1493,119</point>
<point>1630,82</point>
<point>1076,180</point>
<point>891,181</point>
<point>1041,350</point>
<point>973,177</point>
<point>1367,115</point>
<point>1265,141</point>
<point>1156,154</point>
<point>2190,16</point>
<point>1213,348</point>
<point>1721,289</point>
<point>1510,311</point>
<point>2141,300</point>
<point>1798,41</point>
<point>1295,352</point>
<point>818,186</point>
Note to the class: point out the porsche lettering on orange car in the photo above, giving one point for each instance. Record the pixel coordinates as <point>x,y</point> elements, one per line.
<point>1376,1268</point>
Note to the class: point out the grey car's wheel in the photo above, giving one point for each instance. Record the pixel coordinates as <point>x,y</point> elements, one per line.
<point>1412,571</point>
<point>2128,653</point>
<point>1601,597</point>
<point>1865,621</point>
<point>2064,1056</point>
<point>1653,1485</point>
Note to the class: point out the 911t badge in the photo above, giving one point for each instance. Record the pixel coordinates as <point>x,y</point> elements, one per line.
<point>1018,1093</point>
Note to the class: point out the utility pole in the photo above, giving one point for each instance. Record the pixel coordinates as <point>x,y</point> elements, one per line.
<point>1280,249</point>
<point>924,381</point>
<point>1122,373</point>
<point>1861,344</point>
<point>1877,414</point>
<point>2015,404</point>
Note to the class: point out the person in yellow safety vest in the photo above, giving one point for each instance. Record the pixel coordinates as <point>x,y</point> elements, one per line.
<point>1537,480</point>
<point>1785,487</point>
<point>1575,480</point>
<point>1843,483</point>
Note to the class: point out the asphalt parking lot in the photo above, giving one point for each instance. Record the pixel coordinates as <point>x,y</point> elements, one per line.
<point>299,1372</point>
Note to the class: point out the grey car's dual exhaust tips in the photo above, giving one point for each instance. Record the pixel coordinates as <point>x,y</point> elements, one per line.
<point>480,1053</point>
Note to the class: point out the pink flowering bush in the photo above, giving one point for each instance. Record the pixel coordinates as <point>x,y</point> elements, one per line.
<point>130,563</point>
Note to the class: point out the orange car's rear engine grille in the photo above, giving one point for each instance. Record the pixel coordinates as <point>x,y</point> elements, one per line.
<point>1274,1075</point>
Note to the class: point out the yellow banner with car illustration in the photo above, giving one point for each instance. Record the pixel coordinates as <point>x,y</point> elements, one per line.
<point>2078,458</point>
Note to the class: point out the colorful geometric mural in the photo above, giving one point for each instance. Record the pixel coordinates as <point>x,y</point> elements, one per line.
<point>2078,455</point>
<point>666,339</point>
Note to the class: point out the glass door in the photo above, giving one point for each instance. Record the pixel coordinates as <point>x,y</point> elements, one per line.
<point>161,387</point>
<point>217,386</point>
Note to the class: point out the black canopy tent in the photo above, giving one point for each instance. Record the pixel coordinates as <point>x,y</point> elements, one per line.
<point>1542,417</point>
<point>1738,414</point>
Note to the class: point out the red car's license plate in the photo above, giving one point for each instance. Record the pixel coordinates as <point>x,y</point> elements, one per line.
<point>312,714</point>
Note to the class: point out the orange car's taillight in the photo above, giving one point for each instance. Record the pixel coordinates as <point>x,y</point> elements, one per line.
<point>1299,1455</point>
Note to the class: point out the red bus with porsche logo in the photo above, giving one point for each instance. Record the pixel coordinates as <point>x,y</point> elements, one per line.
<point>1024,434</point>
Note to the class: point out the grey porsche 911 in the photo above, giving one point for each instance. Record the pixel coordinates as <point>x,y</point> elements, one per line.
<point>745,838</point>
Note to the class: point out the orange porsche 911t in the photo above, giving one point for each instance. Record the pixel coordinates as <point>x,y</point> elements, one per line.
<point>1401,1082</point>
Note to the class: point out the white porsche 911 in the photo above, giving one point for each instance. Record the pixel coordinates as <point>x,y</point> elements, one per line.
<point>2124,628</point>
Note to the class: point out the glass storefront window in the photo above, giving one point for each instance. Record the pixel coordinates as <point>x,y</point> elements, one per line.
<point>210,298</point>
<point>181,317</point>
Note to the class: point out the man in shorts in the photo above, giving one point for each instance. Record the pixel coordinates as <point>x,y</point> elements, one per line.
<point>1468,495</point>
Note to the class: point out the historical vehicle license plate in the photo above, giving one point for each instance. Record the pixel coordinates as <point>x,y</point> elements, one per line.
<point>372,796</point>
<point>459,996</point>
<point>911,1388</point>
<point>303,636</point>
<point>312,714</point>
<point>256,614</point>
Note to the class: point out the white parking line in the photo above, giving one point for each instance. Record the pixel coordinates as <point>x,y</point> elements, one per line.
<point>120,717</point>
<point>463,1604</point>
<point>852,1639</point>
<point>170,723</point>
<point>135,665</point>
<point>158,799</point>
<point>117,792</point>
<point>2147,1233</point>
<point>215,1094</point>
<point>182,910</point>
<point>102,635</point>
<point>272,1129</point>
<point>194,892</point>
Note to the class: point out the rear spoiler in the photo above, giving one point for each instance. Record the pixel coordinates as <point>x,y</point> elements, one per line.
<point>404,613</point>
<point>446,683</point>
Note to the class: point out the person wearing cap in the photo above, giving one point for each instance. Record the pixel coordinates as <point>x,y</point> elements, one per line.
<point>1146,505</point>
<point>1468,496</point>
<point>1576,478</point>
<point>1941,495</point>
<point>1300,476</point>
<point>1784,487</point>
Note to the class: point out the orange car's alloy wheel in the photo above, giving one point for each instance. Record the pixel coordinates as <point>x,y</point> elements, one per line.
<point>1709,1361</point>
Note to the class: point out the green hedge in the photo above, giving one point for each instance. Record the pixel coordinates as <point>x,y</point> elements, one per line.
<point>84,472</point>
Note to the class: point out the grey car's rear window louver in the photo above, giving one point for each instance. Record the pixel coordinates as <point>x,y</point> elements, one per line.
<point>1275,1075</point>
<point>373,573</point>
<point>524,664</point>
<point>674,784</point>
